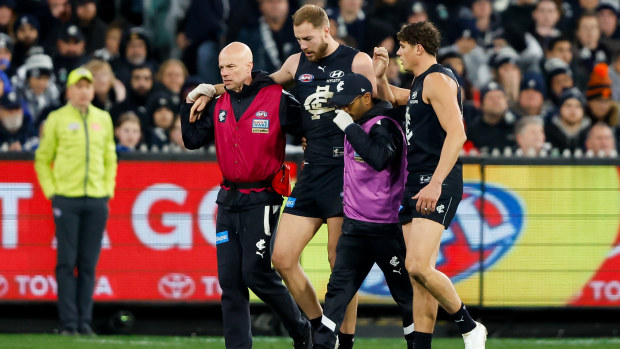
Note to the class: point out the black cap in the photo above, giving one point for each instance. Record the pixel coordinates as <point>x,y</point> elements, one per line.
<point>162,99</point>
<point>505,55</point>
<point>610,5</point>
<point>71,32</point>
<point>491,86</point>
<point>573,92</point>
<point>533,81</point>
<point>349,87</point>
<point>10,101</point>
<point>26,19</point>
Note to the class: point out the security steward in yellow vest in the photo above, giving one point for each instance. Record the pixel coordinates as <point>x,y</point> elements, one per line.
<point>76,168</point>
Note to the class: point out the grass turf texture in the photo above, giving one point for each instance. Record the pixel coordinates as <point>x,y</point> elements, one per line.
<point>36,341</point>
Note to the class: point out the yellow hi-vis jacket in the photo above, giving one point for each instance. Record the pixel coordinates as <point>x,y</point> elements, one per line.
<point>82,151</point>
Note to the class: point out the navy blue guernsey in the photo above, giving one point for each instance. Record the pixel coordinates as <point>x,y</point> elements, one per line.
<point>316,83</point>
<point>425,136</point>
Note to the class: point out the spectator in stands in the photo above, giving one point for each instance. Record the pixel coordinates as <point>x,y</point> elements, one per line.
<point>614,74</point>
<point>507,73</point>
<point>110,51</point>
<point>601,141</point>
<point>530,135</point>
<point>54,17</point>
<point>6,54</point>
<point>172,74</point>
<point>607,11</point>
<point>272,39</point>
<point>546,16</point>
<point>202,32</point>
<point>366,31</point>
<point>517,20</point>
<point>26,30</point>
<point>531,96</point>
<point>140,87</point>
<point>176,136</point>
<point>418,13</point>
<point>393,12</point>
<point>78,140</point>
<point>37,87</point>
<point>589,49</point>
<point>474,56</point>
<point>486,21</point>
<point>601,107</point>
<point>494,129</point>
<point>127,132</point>
<point>560,47</point>
<point>162,110</point>
<point>16,129</point>
<point>7,12</point>
<point>71,52</point>
<point>134,52</point>
<point>109,91</point>
<point>568,128</point>
<point>558,77</point>
<point>93,27</point>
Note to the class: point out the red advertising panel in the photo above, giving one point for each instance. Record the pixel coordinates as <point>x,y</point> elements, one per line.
<point>159,244</point>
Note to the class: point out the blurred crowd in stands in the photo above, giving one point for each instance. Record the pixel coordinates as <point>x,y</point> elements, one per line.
<point>540,77</point>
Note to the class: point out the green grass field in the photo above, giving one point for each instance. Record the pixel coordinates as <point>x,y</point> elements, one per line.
<point>128,342</point>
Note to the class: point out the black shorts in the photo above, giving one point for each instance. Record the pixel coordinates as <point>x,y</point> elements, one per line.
<point>317,193</point>
<point>445,210</point>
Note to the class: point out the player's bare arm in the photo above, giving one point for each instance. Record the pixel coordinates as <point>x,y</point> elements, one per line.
<point>395,95</point>
<point>445,105</point>
<point>362,64</point>
<point>286,75</point>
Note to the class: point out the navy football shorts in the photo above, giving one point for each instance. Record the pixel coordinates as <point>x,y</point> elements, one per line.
<point>445,210</point>
<point>317,193</point>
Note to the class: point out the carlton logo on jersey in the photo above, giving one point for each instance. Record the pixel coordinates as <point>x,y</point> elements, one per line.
<point>306,77</point>
<point>316,103</point>
<point>459,255</point>
<point>261,114</point>
<point>260,126</point>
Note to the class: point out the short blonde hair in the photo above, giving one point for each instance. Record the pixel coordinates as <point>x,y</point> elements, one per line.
<point>166,64</point>
<point>311,14</point>
<point>128,116</point>
<point>97,65</point>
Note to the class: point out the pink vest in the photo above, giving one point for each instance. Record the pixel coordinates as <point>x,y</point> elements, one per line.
<point>251,149</point>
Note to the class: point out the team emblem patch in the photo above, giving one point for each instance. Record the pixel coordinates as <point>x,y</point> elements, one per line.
<point>222,115</point>
<point>261,114</point>
<point>260,126</point>
<point>306,77</point>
